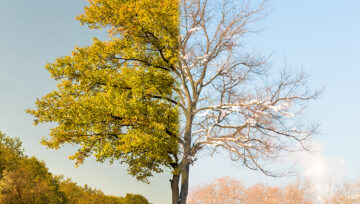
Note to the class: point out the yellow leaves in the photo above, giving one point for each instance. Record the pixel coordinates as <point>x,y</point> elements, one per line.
<point>112,95</point>
<point>146,22</point>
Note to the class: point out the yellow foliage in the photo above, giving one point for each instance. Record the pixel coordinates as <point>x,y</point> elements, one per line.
<point>115,98</point>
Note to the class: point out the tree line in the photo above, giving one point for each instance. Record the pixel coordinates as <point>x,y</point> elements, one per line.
<point>231,191</point>
<point>25,179</point>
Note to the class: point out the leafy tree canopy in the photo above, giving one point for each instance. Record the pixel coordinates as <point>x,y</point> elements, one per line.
<point>115,98</point>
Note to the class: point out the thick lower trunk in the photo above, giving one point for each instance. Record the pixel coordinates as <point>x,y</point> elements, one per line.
<point>180,197</point>
<point>186,161</point>
<point>175,189</point>
<point>176,198</point>
<point>184,185</point>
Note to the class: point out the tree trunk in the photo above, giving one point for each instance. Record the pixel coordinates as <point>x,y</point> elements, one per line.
<point>180,197</point>
<point>186,160</point>
<point>175,189</point>
<point>184,184</point>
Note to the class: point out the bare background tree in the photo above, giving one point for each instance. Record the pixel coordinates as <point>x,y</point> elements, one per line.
<point>225,100</point>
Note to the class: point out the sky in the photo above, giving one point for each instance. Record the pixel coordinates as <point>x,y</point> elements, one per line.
<point>320,37</point>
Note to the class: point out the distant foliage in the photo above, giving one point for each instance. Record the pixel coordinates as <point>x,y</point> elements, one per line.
<point>26,180</point>
<point>222,190</point>
<point>134,199</point>
<point>348,193</point>
<point>231,191</point>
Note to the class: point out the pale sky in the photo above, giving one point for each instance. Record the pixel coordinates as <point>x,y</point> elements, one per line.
<point>321,37</point>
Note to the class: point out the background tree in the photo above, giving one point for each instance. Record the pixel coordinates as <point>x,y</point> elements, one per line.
<point>24,179</point>
<point>299,192</point>
<point>347,193</point>
<point>168,60</point>
<point>222,190</point>
<point>29,182</point>
<point>10,152</point>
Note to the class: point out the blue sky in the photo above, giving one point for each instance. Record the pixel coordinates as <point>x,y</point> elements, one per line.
<point>321,37</point>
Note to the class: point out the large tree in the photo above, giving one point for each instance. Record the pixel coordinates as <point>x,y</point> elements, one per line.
<point>172,80</point>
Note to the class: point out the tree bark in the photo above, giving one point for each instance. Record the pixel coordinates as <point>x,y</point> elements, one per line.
<point>186,160</point>
<point>175,189</point>
<point>184,184</point>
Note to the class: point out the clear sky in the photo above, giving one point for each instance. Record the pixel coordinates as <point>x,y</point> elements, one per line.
<point>321,37</point>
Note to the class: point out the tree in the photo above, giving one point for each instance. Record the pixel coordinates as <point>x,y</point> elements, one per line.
<point>300,192</point>
<point>24,179</point>
<point>172,81</point>
<point>29,182</point>
<point>347,193</point>
<point>10,152</point>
